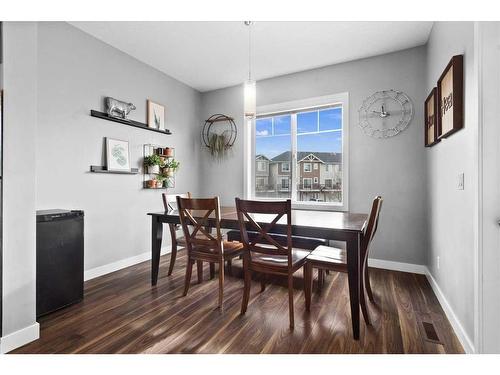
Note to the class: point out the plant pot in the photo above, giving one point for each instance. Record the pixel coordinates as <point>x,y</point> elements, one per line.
<point>153,169</point>
<point>165,183</point>
<point>169,172</point>
<point>159,183</point>
<point>151,184</point>
<point>168,152</point>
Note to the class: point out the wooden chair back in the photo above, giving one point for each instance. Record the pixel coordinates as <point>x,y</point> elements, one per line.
<point>170,199</point>
<point>263,243</point>
<point>194,215</point>
<point>372,226</point>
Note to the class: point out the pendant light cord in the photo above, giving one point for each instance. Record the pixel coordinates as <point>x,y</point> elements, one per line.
<point>249,24</point>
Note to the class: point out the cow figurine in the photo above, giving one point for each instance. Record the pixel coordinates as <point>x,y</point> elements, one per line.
<point>117,108</point>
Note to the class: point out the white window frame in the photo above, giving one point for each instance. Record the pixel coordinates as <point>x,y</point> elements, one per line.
<point>298,106</point>
<point>315,166</point>
<point>287,168</point>
<point>315,180</point>
<point>307,169</point>
<point>304,182</point>
<point>261,163</point>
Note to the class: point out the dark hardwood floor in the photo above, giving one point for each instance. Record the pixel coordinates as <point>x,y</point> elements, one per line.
<point>122,313</point>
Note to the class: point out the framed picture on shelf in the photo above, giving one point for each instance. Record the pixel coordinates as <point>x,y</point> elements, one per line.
<point>431,119</point>
<point>156,115</point>
<point>117,155</point>
<point>450,93</point>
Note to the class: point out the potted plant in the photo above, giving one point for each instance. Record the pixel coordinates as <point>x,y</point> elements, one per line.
<point>169,152</point>
<point>159,180</point>
<point>151,184</point>
<point>153,163</point>
<point>171,166</point>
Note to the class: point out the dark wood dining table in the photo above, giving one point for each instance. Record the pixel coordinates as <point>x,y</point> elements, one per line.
<point>329,225</point>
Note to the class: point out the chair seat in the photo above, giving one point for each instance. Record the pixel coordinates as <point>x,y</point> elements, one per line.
<point>230,248</point>
<point>328,256</point>
<point>298,242</point>
<point>298,257</point>
<point>181,241</point>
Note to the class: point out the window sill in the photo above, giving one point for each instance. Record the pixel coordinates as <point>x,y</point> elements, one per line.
<point>318,206</point>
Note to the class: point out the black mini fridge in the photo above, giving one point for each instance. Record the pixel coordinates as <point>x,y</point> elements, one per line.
<point>59,259</point>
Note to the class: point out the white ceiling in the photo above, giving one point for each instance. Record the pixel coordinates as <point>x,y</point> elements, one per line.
<point>212,55</point>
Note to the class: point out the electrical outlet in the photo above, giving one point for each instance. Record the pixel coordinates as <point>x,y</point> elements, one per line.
<point>461,181</point>
<point>437,262</point>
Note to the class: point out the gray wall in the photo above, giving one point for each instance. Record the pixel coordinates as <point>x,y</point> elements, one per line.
<point>19,153</point>
<point>451,211</point>
<point>75,71</point>
<point>393,168</point>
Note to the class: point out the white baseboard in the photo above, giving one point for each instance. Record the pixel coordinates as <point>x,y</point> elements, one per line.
<point>464,339</point>
<point>119,264</point>
<point>397,266</point>
<point>19,338</point>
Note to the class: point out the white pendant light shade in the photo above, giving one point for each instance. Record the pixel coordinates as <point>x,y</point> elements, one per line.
<point>250,95</point>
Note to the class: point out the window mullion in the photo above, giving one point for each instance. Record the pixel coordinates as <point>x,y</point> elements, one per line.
<point>293,172</point>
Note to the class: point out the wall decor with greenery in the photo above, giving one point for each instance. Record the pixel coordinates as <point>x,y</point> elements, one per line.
<point>159,167</point>
<point>218,135</point>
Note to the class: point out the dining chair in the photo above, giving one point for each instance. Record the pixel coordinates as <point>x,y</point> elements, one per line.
<point>335,259</point>
<point>263,254</point>
<point>201,244</point>
<point>169,202</point>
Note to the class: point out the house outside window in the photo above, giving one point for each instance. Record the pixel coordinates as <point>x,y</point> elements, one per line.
<point>303,146</point>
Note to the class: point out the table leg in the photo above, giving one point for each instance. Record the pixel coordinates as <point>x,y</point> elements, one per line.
<point>156,237</point>
<point>353,267</point>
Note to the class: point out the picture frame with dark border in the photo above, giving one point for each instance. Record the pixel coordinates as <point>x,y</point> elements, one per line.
<point>431,119</point>
<point>450,93</point>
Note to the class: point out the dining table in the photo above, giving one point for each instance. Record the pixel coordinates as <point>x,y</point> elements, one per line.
<point>329,225</point>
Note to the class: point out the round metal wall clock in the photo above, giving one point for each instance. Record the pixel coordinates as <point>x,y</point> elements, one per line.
<point>385,113</point>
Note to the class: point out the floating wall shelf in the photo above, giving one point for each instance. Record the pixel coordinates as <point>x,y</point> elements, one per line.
<point>133,123</point>
<point>101,169</point>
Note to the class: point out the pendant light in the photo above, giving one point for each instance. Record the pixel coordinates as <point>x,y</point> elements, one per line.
<point>249,87</point>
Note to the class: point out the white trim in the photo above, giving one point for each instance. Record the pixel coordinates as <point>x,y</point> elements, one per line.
<point>120,264</point>
<point>450,314</point>
<point>397,266</point>
<point>19,338</point>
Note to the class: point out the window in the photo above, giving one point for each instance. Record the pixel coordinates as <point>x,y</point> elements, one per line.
<point>285,183</point>
<point>260,182</point>
<point>261,166</point>
<point>306,141</point>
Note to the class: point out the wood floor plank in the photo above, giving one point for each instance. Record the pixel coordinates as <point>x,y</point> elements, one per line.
<point>122,313</point>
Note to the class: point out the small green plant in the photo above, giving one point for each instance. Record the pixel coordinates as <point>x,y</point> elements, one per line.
<point>172,164</point>
<point>152,160</point>
<point>217,143</point>
<point>160,177</point>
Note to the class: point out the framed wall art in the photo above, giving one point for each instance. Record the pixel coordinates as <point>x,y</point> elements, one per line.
<point>450,92</point>
<point>156,115</point>
<point>117,155</point>
<point>431,119</point>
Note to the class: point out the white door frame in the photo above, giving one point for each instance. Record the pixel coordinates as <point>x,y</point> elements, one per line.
<point>487,255</point>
